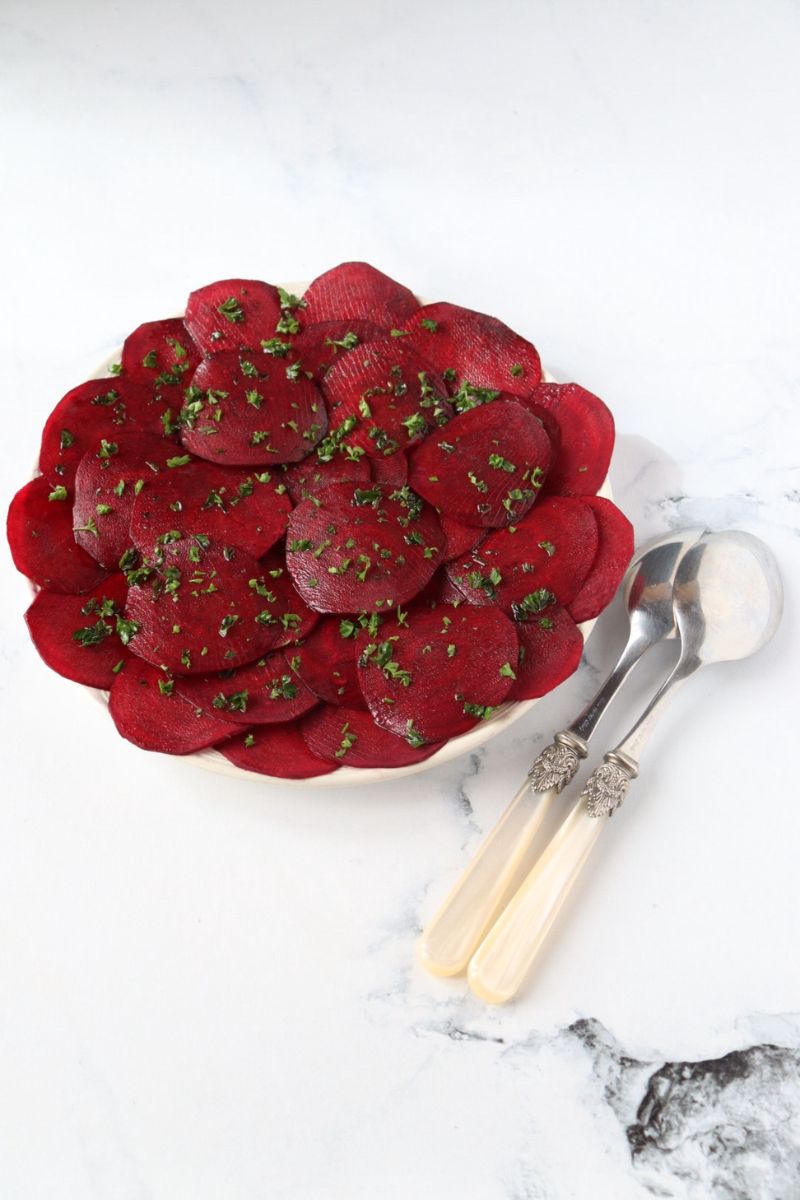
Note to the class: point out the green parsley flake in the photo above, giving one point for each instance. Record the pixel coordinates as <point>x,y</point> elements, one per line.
<point>231,310</point>
<point>58,493</point>
<point>429,324</point>
<point>180,460</point>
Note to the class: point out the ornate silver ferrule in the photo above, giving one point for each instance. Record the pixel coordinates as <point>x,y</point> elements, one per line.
<point>608,784</point>
<point>558,763</point>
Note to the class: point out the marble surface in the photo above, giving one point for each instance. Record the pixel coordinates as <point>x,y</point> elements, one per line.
<point>208,989</point>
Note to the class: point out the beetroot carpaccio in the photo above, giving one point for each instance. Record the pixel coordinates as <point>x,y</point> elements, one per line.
<point>321,530</point>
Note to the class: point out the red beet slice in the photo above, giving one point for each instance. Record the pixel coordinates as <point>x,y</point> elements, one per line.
<point>356,291</point>
<point>245,414</point>
<point>326,660</point>
<point>459,539</point>
<point>42,542</point>
<point>466,345</point>
<point>277,750</point>
<point>486,467</point>
<point>242,508</point>
<point>582,449</point>
<point>614,552</point>
<point>107,483</point>
<point>550,650</point>
<point>100,408</point>
<point>309,477</point>
<point>76,635</point>
<point>197,612</point>
<point>524,567</point>
<point>348,737</point>
<point>383,401</point>
<point>261,693</point>
<point>232,314</point>
<point>318,347</point>
<point>440,590</point>
<point>352,549</point>
<point>161,355</point>
<point>434,674</point>
<point>148,712</point>
<point>392,471</point>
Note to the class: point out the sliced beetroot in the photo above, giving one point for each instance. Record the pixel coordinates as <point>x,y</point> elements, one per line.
<point>203,608</point>
<point>487,467</point>
<point>277,750</point>
<point>232,314</point>
<point>524,567</point>
<point>326,660</point>
<point>614,552</point>
<point>585,439</point>
<point>318,347</point>
<point>354,549</point>
<point>384,400</point>
<point>466,345</point>
<point>76,635</point>
<point>161,355</point>
<point>550,647</point>
<point>309,477</point>
<point>348,737</point>
<point>243,508</point>
<point>440,590</point>
<point>391,470</point>
<point>100,408</point>
<point>261,693</point>
<point>246,411</point>
<point>357,291</point>
<point>433,674</point>
<point>148,711</point>
<point>42,541</point>
<point>107,483</point>
<point>459,539</point>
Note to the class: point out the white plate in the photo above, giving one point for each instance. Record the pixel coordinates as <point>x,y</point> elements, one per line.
<point>505,715</point>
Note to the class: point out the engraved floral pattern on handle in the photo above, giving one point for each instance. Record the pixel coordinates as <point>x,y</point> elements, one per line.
<point>555,767</point>
<point>605,789</point>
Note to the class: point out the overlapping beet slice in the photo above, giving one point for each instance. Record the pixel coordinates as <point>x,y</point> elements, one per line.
<point>354,549</point>
<point>42,541</point>
<point>245,508</point>
<point>487,467</point>
<point>582,431</point>
<point>357,291</point>
<point>262,693</point>
<point>391,469</point>
<point>76,635</point>
<point>459,538</point>
<point>148,711</point>
<point>525,567</point>
<point>550,648</point>
<point>277,750</point>
<point>310,476</point>
<point>249,412</point>
<point>326,660</point>
<point>348,737</point>
<point>614,552</point>
<point>466,345</point>
<point>318,347</point>
<point>437,671</point>
<point>234,313</point>
<point>161,355</point>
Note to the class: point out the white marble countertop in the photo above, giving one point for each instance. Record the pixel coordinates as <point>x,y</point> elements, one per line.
<point>208,989</point>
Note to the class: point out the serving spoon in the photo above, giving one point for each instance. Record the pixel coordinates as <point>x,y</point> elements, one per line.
<point>728,601</point>
<point>452,935</point>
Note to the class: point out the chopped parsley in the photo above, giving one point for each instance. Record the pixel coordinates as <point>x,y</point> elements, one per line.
<point>58,493</point>
<point>231,310</point>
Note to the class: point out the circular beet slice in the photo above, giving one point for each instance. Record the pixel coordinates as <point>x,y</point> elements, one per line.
<point>355,290</point>
<point>318,347</point>
<point>260,693</point>
<point>391,470</point>
<point>203,608</point>
<point>348,737</point>
<point>247,415</point>
<point>384,400</point>
<point>293,620</point>
<point>525,567</point>
<point>42,541</point>
<point>108,482</point>
<point>550,648</point>
<point>614,552</point>
<point>148,711</point>
<point>354,549</point>
<point>233,313</point>
<point>242,508</point>
<point>100,408</point>
<point>76,635</point>
<point>459,539</point>
<point>465,345</point>
<point>487,467</point>
<point>275,750</point>
<point>585,439</point>
<point>161,355</point>
<point>326,660</point>
<point>434,674</point>
<point>309,477</point>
